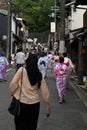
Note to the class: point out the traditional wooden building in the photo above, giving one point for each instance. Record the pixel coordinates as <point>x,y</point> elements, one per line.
<point>76,36</point>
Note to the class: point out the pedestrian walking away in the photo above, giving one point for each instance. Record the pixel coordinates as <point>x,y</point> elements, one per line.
<point>49,58</point>
<point>19,58</point>
<point>42,65</point>
<point>3,66</point>
<point>32,81</point>
<point>61,71</point>
<point>69,63</point>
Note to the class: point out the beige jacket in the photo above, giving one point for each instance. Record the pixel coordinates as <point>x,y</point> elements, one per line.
<point>29,94</point>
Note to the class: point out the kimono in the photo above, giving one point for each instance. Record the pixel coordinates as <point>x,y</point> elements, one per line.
<point>68,62</point>
<point>3,67</point>
<point>60,71</point>
<point>55,61</point>
<point>49,58</point>
<point>42,65</point>
<point>70,66</point>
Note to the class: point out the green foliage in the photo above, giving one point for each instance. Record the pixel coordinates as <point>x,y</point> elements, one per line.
<point>35,12</point>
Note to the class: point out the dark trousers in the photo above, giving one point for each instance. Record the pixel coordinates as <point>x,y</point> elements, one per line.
<point>28,118</point>
<point>18,66</point>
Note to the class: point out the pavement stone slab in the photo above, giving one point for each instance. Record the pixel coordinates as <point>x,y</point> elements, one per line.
<point>71,115</point>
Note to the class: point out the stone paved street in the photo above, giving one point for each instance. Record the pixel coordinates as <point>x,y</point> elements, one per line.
<point>71,115</point>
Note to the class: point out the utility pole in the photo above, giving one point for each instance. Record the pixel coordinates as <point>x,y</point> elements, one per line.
<point>55,8</point>
<point>55,21</point>
<point>8,48</point>
<point>62,26</point>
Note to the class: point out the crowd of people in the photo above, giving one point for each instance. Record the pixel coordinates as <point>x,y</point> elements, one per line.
<point>60,64</point>
<point>33,67</point>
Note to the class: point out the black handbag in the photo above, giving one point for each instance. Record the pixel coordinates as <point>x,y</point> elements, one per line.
<point>14,107</point>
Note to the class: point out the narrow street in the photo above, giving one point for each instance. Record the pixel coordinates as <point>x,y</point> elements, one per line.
<point>71,115</point>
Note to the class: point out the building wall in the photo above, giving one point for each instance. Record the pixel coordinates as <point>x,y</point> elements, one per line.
<point>77,17</point>
<point>3,25</point>
<point>3,31</point>
<point>85,18</point>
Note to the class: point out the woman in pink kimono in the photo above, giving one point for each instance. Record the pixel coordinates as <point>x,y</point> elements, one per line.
<point>3,66</point>
<point>49,59</point>
<point>61,71</point>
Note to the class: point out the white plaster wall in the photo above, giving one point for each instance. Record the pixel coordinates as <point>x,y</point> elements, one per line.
<point>13,30</point>
<point>13,26</point>
<point>77,17</point>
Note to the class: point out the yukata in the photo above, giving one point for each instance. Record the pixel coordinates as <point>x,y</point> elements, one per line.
<point>60,71</point>
<point>70,65</point>
<point>49,58</point>
<point>3,67</point>
<point>55,61</point>
<point>67,62</point>
<point>42,65</point>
